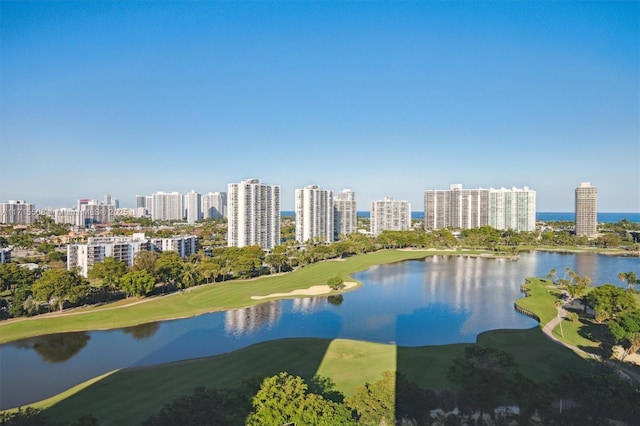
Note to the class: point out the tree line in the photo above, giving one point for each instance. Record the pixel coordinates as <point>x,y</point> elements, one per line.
<point>29,292</point>
<point>488,389</point>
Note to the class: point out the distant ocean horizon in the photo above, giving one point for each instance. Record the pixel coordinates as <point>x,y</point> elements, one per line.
<point>606,217</point>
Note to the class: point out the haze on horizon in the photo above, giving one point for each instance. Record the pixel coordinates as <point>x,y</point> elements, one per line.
<point>387,99</point>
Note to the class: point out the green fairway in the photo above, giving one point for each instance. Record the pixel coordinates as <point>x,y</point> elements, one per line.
<point>201,299</point>
<point>131,395</point>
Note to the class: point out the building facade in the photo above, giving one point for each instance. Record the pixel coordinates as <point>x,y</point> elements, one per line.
<point>460,208</point>
<point>5,255</point>
<point>214,205</point>
<point>345,213</point>
<point>586,209</point>
<point>91,212</point>
<point>253,214</point>
<point>314,214</point>
<point>193,205</point>
<point>166,206</point>
<point>125,249</point>
<point>390,215</point>
<point>17,212</point>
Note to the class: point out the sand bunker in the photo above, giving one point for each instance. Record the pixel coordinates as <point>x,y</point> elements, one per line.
<point>311,291</point>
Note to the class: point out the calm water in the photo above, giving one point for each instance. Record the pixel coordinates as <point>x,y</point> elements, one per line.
<point>440,300</point>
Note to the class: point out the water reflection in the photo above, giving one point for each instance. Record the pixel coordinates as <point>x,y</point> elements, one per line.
<point>335,299</point>
<point>56,348</point>
<point>142,331</point>
<point>439,300</point>
<point>308,305</point>
<point>247,321</point>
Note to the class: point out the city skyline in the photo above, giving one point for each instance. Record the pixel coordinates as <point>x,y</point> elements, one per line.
<point>386,99</point>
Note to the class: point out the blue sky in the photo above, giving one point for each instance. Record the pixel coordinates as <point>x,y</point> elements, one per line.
<point>385,98</point>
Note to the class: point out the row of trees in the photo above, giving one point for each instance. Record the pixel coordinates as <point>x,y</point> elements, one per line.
<point>485,378</point>
<point>614,306</point>
<point>153,272</point>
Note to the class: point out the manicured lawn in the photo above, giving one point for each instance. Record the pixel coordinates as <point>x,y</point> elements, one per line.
<point>541,299</point>
<point>201,299</point>
<point>131,395</point>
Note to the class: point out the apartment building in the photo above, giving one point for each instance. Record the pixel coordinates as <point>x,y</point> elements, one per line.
<point>460,208</point>
<point>389,214</point>
<point>17,212</point>
<point>193,205</point>
<point>166,206</point>
<point>125,249</point>
<point>586,197</point>
<point>345,213</point>
<point>214,205</point>
<point>253,214</point>
<point>314,214</point>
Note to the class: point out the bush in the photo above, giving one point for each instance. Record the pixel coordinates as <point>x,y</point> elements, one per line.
<point>336,283</point>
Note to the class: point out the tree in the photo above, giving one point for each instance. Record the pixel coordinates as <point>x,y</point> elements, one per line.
<point>608,301</point>
<point>168,267</point>
<point>576,285</point>
<point>137,283</point>
<point>146,260</point>
<point>336,283</point>
<point>59,286</point>
<point>374,404</point>
<point>285,399</point>
<point>626,329</point>
<point>484,375</point>
<point>13,276</point>
<point>227,406</point>
<point>276,261</point>
<point>190,275</point>
<point>630,278</point>
<point>109,271</point>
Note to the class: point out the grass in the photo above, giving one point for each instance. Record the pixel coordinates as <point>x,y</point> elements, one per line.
<point>542,295</point>
<point>199,300</point>
<point>129,396</point>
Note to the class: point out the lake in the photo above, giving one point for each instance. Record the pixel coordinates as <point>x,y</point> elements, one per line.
<point>435,301</point>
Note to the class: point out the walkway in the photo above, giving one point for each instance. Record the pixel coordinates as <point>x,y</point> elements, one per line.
<point>623,372</point>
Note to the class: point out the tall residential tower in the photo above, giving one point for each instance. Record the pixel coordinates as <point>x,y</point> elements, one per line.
<point>254,214</point>
<point>345,213</point>
<point>390,215</point>
<point>314,214</point>
<point>586,212</point>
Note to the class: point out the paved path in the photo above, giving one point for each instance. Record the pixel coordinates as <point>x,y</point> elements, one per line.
<point>623,372</point>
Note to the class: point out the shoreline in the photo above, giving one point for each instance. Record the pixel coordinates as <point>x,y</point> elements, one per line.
<point>316,290</point>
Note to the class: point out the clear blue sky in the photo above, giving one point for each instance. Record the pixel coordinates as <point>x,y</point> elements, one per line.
<point>384,98</point>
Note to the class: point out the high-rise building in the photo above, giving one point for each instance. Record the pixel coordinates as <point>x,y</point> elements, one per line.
<point>17,212</point>
<point>473,208</point>
<point>254,214</point>
<point>214,205</point>
<point>345,213</point>
<point>586,211</point>
<point>314,214</point>
<point>167,206</point>
<point>192,201</point>
<point>90,212</point>
<point>390,215</point>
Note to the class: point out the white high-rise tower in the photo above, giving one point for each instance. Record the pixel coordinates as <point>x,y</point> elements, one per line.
<point>345,214</point>
<point>314,214</point>
<point>254,214</point>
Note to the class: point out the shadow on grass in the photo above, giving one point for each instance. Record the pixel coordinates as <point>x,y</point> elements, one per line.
<point>132,395</point>
<point>596,333</point>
